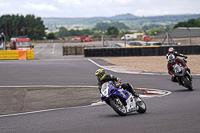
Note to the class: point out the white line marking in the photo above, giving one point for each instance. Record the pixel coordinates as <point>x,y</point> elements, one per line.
<point>115,70</point>
<point>41,49</point>
<point>40,111</point>
<point>50,86</point>
<point>53,48</point>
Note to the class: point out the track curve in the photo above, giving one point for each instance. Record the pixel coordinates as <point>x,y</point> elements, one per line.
<point>177,112</point>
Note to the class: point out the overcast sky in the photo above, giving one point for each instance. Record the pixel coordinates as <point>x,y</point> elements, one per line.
<point>97,8</point>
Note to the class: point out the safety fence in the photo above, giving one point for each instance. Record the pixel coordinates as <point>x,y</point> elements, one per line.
<point>140,51</point>
<point>16,54</point>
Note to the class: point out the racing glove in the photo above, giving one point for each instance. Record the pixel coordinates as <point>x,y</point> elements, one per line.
<point>118,83</point>
<point>185,57</point>
<point>118,79</point>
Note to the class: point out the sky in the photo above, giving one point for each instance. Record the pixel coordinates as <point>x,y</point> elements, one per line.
<point>98,8</point>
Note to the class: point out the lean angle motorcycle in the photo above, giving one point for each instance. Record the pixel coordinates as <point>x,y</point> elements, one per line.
<point>183,76</point>
<point>122,101</point>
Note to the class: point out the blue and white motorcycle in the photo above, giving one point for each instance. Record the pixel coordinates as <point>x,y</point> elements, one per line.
<point>122,101</point>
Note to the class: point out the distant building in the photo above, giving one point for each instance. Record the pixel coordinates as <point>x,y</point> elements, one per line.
<point>180,36</point>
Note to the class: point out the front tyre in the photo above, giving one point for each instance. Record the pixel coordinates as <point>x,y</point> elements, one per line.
<point>118,107</point>
<point>142,106</point>
<point>187,83</point>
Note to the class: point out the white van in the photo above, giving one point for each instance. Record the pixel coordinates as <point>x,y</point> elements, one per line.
<point>129,37</point>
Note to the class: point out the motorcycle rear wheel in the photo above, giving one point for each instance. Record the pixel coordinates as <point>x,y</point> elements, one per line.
<point>118,107</point>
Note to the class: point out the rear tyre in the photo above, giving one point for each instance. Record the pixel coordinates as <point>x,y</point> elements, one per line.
<point>118,107</point>
<point>187,83</point>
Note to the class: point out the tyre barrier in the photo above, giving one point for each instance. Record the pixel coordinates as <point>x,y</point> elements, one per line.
<point>16,54</point>
<point>140,51</point>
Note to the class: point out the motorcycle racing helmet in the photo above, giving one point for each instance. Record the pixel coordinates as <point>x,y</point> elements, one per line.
<point>100,73</point>
<point>171,58</point>
<point>171,50</point>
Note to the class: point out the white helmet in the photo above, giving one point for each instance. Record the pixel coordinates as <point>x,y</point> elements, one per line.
<point>171,50</point>
<point>171,58</point>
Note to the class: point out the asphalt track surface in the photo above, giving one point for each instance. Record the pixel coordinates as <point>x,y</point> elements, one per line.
<point>174,113</point>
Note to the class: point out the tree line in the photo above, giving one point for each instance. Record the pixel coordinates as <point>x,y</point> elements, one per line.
<point>190,23</point>
<point>64,32</point>
<point>109,29</point>
<point>19,25</point>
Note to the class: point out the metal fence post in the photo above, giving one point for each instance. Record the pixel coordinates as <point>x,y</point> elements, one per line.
<point>124,38</point>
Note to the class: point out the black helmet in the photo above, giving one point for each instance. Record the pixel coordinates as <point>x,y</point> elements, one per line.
<point>171,50</point>
<point>171,58</point>
<point>100,73</point>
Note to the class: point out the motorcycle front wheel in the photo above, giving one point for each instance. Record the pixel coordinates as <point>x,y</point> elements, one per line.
<point>118,106</point>
<point>187,83</point>
<point>142,106</point>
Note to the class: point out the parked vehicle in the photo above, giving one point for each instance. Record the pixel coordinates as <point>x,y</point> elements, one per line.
<point>154,43</point>
<point>20,43</point>
<point>129,37</point>
<point>117,45</point>
<point>137,43</point>
<point>130,44</point>
<point>122,101</point>
<point>183,76</point>
<point>83,38</point>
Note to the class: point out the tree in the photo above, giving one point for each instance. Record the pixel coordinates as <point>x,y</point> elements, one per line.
<point>190,23</point>
<point>63,32</point>
<point>105,25</point>
<point>102,26</point>
<point>197,21</point>
<point>112,31</point>
<point>119,25</point>
<point>51,36</point>
<point>17,25</point>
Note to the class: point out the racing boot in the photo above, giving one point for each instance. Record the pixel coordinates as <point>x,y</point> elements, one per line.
<point>135,94</point>
<point>179,82</point>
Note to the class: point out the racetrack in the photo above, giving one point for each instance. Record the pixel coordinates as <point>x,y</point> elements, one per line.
<point>177,112</point>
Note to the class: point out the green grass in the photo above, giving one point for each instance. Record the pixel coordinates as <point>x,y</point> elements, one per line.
<point>33,44</point>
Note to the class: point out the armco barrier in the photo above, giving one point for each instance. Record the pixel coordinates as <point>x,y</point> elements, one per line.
<point>140,51</point>
<point>14,54</point>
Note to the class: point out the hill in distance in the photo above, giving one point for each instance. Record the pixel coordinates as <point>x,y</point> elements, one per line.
<point>129,19</point>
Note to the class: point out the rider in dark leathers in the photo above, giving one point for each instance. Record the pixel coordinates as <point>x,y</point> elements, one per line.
<point>171,61</point>
<point>102,77</point>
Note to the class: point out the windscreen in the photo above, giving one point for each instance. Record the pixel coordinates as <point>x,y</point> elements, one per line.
<point>23,44</point>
